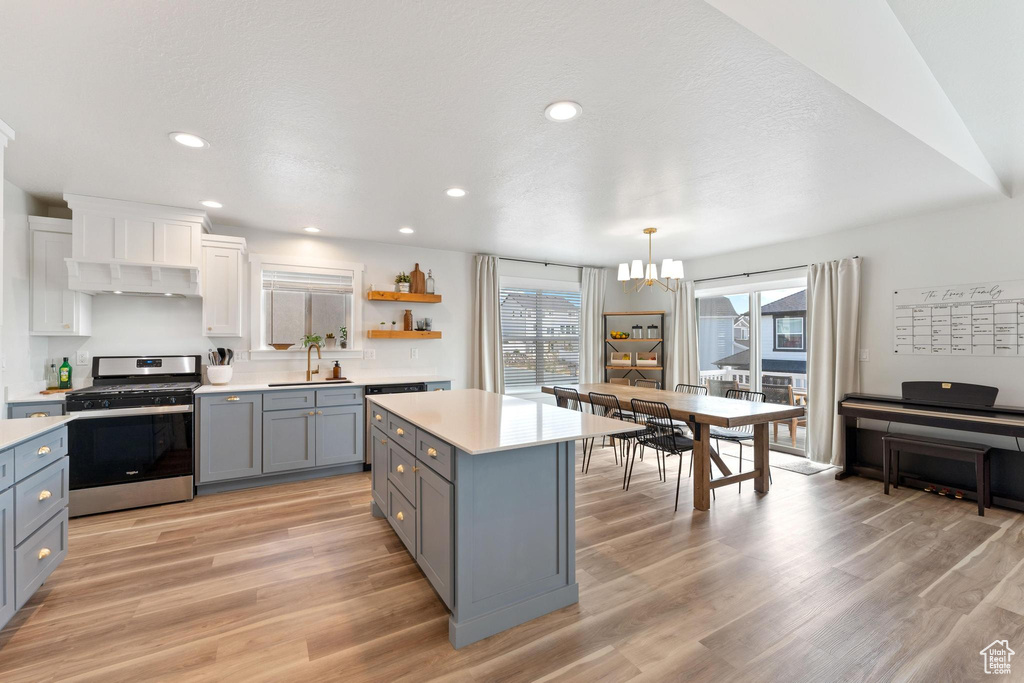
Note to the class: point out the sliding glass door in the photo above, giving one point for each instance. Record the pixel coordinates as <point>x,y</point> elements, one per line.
<point>754,337</point>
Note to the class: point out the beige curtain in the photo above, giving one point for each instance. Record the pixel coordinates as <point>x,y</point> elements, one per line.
<point>683,367</point>
<point>486,371</point>
<point>592,287</point>
<point>833,307</point>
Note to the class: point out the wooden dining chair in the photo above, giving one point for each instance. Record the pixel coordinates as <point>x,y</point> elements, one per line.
<point>738,435</point>
<point>647,384</point>
<point>661,435</point>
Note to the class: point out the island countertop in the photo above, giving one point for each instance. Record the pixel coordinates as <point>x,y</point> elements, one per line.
<point>22,429</point>
<point>479,422</point>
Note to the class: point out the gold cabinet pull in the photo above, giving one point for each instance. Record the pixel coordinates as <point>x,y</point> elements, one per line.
<point>415,469</point>
<point>43,450</point>
<point>209,329</point>
<point>383,441</point>
<point>400,431</point>
<point>319,412</point>
<point>44,553</point>
<point>399,516</point>
<point>39,415</point>
<point>67,326</point>
<point>400,469</point>
<point>432,452</point>
<point>231,398</point>
<point>44,494</point>
<point>312,412</point>
<point>438,389</point>
<point>378,417</point>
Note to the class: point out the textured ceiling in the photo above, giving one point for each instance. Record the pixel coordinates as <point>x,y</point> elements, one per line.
<point>355,116</point>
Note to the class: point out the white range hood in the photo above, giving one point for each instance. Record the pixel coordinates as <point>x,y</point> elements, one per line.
<point>120,247</point>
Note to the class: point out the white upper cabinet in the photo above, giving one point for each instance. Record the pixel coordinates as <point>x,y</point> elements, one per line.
<point>222,274</point>
<point>56,309</point>
<point>135,248</point>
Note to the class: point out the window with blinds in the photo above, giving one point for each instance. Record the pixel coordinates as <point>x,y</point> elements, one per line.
<point>300,303</point>
<point>540,336</point>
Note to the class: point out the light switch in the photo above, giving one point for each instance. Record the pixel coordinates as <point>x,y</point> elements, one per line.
<point>414,353</point>
<point>82,358</point>
<point>370,354</point>
<point>864,356</point>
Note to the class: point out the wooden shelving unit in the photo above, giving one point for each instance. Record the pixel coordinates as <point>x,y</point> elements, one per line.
<point>656,344</point>
<point>403,334</point>
<point>379,295</point>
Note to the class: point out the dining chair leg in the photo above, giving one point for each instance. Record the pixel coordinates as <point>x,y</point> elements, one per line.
<point>690,473</point>
<point>657,458</point>
<point>679,478</point>
<point>629,473</point>
<point>587,456</point>
<point>625,466</point>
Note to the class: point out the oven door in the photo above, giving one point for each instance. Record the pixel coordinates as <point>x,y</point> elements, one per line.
<point>129,444</point>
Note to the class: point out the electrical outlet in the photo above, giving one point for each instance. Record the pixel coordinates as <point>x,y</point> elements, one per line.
<point>414,353</point>
<point>864,355</point>
<point>82,358</point>
<point>370,354</point>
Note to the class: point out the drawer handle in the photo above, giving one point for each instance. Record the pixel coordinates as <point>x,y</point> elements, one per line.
<point>43,450</point>
<point>415,469</point>
<point>399,516</point>
<point>400,431</point>
<point>400,469</point>
<point>432,452</point>
<point>312,412</point>
<point>39,415</point>
<point>44,494</point>
<point>378,417</point>
<point>383,441</point>
<point>231,398</point>
<point>44,553</point>
<point>438,389</point>
<point>319,412</point>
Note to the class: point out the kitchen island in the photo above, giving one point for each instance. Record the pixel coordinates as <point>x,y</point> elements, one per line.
<point>480,488</point>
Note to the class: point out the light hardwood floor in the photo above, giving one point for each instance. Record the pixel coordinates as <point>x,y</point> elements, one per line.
<point>817,581</point>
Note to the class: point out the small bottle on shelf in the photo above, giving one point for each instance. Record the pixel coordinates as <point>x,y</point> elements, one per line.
<point>65,374</point>
<point>430,282</point>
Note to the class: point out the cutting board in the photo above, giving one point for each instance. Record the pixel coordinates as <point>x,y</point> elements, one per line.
<point>417,281</point>
<point>54,391</point>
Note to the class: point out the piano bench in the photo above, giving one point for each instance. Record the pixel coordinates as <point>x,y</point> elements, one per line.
<point>893,444</point>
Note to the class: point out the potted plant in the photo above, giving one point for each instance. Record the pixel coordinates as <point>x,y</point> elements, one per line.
<point>311,339</point>
<point>402,282</point>
<point>393,323</point>
<point>329,340</point>
<point>343,337</point>
<point>383,326</point>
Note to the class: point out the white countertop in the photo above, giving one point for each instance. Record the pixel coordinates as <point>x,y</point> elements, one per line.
<point>37,398</point>
<point>478,421</point>
<point>15,431</point>
<point>316,384</point>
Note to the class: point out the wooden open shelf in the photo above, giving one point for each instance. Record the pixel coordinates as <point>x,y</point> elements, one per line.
<point>377,295</point>
<point>636,313</point>
<point>633,367</point>
<point>612,341</point>
<point>402,334</point>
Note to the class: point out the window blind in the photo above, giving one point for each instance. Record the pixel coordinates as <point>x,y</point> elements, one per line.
<point>540,336</point>
<point>306,282</point>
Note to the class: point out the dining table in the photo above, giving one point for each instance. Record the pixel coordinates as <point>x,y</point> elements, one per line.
<point>701,413</point>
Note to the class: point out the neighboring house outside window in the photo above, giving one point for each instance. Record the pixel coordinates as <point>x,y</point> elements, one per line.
<point>540,334</point>
<point>789,333</point>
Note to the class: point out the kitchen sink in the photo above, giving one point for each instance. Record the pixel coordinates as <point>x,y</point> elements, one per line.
<point>319,382</point>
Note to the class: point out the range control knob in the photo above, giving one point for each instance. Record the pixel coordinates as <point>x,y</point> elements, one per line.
<point>88,404</point>
<point>158,400</point>
<point>105,404</point>
<point>172,400</point>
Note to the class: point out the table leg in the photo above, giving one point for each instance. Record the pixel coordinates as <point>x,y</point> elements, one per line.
<point>701,467</point>
<point>761,483</point>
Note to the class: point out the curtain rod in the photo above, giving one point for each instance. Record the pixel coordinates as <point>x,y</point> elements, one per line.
<point>543,263</point>
<point>755,272</point>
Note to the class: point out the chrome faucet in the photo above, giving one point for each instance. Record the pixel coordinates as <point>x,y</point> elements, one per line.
<point>309,360</point>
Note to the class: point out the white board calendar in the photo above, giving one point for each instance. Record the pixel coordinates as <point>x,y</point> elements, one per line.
<point>985,319</point>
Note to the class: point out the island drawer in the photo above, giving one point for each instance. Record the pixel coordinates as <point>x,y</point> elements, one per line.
<point>339,396</point>
<point>6,469</point>
<point>401,470</point>
<point>287,400</point>
<point>37,453</point>
<point>378,417</point>
<point>438,455</point>
<point>402,517</point>
<point>38,556</point>
<point>402,432</point>
<point>39,497</point>
<point>18,410</point>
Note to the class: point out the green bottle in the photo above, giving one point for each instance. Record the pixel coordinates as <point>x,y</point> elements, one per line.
<point>65,374</point>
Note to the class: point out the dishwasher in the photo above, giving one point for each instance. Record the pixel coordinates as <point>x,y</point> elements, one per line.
<point>376,390</point>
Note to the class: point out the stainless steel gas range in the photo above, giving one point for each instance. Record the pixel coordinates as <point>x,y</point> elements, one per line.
<point>131,443</point>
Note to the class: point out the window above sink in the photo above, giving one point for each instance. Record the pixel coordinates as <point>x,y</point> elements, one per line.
<point>291,298</point>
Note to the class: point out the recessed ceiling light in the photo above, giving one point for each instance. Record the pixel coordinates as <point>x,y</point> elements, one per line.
<point>168,294</point>
<point>455,192</point>
<point>118,291</point>
<point>212,204</point>
<point>310,228</point>
<point>406,230</point>
<point>189,140</point>
<point>562,111</point>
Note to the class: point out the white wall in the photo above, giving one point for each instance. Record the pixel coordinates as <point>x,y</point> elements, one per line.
<point>25,356</point>
<point>130,325</point>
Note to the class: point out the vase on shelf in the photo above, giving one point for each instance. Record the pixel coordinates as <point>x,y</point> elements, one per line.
<point>430,282</point>
<point>403,287</point>
<point>407,320</point>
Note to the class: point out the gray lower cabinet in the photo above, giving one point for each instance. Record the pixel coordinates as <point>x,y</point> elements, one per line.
<point>230,437</point>
<point>339,434</point>
<point>41,409</point>
<point>434,549</point>
<point>7,606</point>
<point>379,467</point>
<point>289,440</point>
